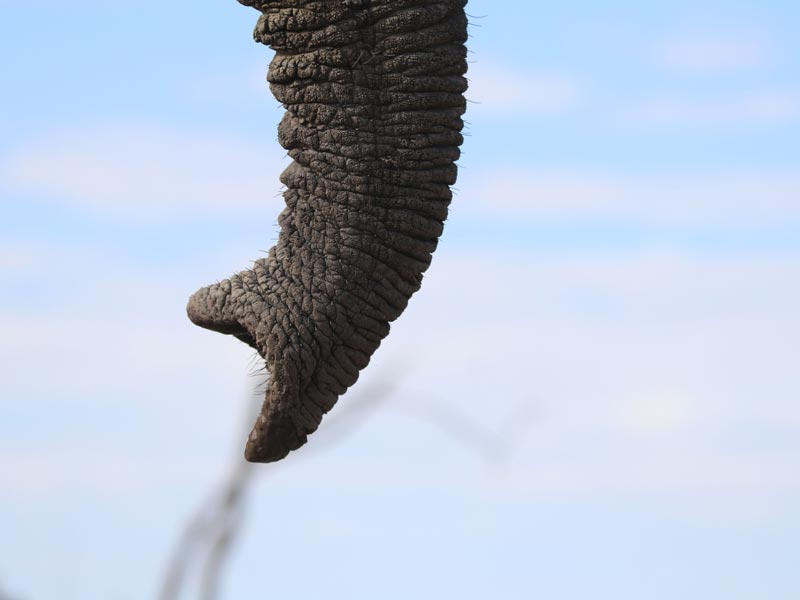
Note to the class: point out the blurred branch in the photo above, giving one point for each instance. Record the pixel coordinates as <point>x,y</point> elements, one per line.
<point>493,446</point>
<point>231,513</point>
<point>212,528</point>
<point>5,596</point>
<point>210,534</point>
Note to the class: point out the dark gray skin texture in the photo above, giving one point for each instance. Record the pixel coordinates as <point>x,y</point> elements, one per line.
<point>374,95</point>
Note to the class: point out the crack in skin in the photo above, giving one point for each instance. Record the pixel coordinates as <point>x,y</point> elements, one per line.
<point>374,95</point>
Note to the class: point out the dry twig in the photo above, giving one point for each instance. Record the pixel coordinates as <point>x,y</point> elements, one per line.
<point>210,534</point>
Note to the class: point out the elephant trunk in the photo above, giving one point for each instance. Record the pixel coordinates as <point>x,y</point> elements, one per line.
<point>373,91</point>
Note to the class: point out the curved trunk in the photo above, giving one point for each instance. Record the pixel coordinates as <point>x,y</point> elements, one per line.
<point>373,91</point>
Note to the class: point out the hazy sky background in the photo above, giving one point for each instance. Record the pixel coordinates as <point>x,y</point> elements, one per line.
<point>621,268</point>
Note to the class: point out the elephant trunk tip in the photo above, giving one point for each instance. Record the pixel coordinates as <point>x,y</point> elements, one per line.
<point>211,308</point>
<point>203,310</point>
<point>196,308</point>
<point>270,442</point>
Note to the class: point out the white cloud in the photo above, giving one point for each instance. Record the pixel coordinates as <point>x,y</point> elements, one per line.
<point>710,51</point>
<point>662,409</point>
<point>110,326</point>
<point>235,87</point>
<point>502,90</point>
<point>147,174</point>
<point>713,199</point>
<point>756,108</point>
<point>17,256</point>
<point>655,374</point>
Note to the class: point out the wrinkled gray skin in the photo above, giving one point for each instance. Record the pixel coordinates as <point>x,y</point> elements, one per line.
<point>373,91</point>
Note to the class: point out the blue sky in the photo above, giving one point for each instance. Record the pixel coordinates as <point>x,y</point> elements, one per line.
<point>622,264</point>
